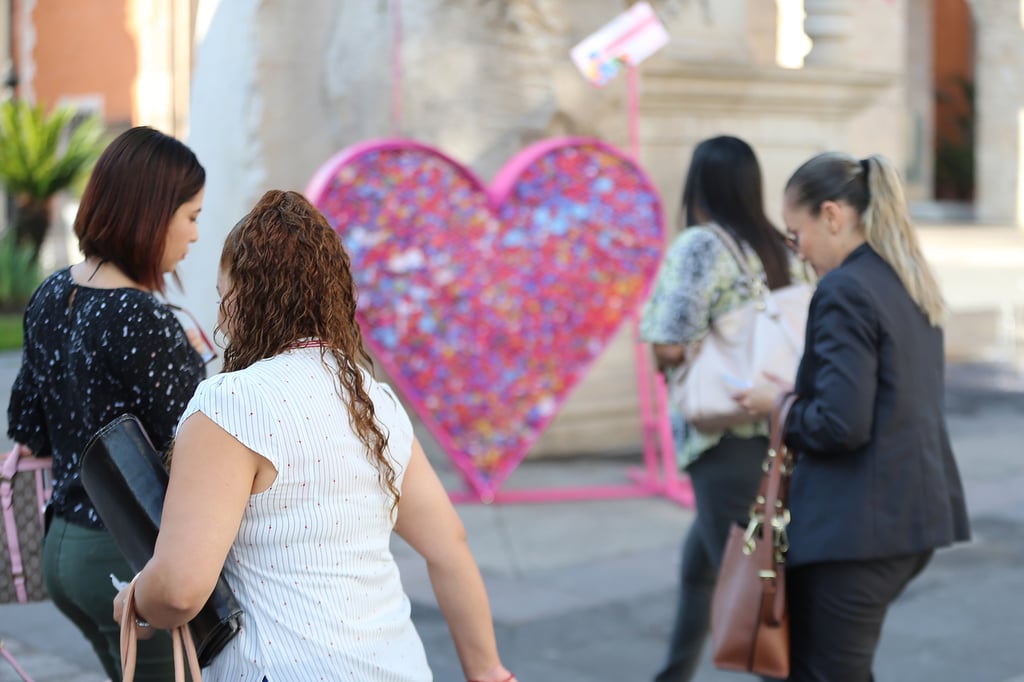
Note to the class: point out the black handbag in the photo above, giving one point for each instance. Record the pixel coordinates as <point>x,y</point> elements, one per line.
<point>126,480</point>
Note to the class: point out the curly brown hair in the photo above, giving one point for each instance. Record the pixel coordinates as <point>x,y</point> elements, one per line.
<point>290,279</point>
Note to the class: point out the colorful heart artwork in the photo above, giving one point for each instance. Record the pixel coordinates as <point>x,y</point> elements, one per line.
<point>487,304</point>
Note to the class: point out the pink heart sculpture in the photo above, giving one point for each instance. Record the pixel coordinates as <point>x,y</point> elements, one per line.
<point>486,305</point>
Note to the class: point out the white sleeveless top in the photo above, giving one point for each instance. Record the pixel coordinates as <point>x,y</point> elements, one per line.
<point>311,565</point>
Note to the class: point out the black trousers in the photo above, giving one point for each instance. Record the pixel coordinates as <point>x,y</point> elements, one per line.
<point>836,610</point>
<point>725,481</point>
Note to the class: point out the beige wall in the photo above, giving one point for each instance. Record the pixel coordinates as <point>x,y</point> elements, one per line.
<point>277,92</point>
<point>878,44</point>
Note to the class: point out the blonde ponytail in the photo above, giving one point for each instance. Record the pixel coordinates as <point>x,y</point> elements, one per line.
<point>889,232</point>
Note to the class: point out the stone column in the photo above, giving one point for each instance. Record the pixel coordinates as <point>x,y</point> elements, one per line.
<point>920,86</point>
<point>999,103</point>
<point>24,44</point>
<point>829,24</point>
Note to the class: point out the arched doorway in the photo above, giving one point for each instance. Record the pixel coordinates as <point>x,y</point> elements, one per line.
<point>953,84</point>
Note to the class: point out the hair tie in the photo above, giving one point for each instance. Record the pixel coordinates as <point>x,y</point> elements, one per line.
<point>865,165</point>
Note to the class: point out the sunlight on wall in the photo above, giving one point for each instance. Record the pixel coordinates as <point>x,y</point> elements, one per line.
<point>793,43</point>
<point>204,15</point>
<point>1020,166</point>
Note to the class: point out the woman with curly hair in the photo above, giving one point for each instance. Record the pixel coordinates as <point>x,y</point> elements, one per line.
<point>290,471</point>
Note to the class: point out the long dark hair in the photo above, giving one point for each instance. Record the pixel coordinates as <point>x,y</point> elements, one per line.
<point>724,185</point>
<point>138,183</point>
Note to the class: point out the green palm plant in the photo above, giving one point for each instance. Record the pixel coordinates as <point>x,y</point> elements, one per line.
<point>19,275</point>
<point>40,156</point>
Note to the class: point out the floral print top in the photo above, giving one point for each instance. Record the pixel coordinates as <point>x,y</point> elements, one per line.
<point>698,282</point>
<point>91,355</point>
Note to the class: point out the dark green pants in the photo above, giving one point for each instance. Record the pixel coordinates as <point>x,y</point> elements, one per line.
<point>77,563</point>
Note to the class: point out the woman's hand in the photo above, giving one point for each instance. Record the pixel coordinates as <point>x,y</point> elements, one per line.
<point>144,631</point>
<point>668,356</point>
<point>759,399</point>
<point>496,674</point>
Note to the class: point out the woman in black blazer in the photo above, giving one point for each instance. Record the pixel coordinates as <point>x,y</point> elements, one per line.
<point>875,489</point>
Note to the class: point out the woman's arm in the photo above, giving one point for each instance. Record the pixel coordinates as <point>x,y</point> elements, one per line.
<point>211,479</point>
<point>838,414</point>
<point>679,308</point>
<point>668,355</point>
<point>26,422</point>
<point>428,522</point>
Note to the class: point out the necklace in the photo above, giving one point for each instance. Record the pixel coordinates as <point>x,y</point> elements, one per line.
<point>98,266</point>
<point>306,343</point>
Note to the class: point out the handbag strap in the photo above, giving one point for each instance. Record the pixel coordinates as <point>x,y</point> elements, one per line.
<point>7,471</point>
<point>757,286</point>
<point>14,663</point>
<point>181,638</point>
<point>770,512</point>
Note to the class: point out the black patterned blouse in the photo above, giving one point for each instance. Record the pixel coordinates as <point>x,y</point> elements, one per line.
<point>91,355</point>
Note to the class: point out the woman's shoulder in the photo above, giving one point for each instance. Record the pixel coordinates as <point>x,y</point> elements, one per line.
<point>843,286</point>
<point>382,394</point>
<point>127,302</point>
<point>239,387</point>
<point>698,238</point>
<point>387,406</point>
<point>132,313</point>
<point>699,251</point>
<point>56,284</point>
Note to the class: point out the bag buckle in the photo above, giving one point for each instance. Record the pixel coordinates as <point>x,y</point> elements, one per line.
<point>749,544</point>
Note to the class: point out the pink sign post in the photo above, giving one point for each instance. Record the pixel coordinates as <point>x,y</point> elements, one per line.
<point>622,44</point>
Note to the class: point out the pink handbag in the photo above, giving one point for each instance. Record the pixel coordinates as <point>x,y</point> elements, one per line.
<point>25,489</point>
<point>765,333</point>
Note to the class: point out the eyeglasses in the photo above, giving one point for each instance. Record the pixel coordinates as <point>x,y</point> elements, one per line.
<point>194,331</point>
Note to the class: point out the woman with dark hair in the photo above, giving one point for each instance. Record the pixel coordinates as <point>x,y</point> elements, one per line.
<point>98,343</point>
<point>291,470</point>
<point>875,489</point>
<point>700,281</point>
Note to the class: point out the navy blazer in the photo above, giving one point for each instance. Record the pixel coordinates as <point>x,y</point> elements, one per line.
<point>875,475</point>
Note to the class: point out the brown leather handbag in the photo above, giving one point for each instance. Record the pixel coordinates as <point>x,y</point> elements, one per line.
<point>749,617</point>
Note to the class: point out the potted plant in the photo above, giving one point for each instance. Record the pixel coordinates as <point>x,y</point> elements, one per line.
<point>41,155</point>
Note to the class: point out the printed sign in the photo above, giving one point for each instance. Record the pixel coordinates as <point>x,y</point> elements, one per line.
<point>630,38</point>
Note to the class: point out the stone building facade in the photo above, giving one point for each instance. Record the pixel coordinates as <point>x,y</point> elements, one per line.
<point>482,79</point>
<point>273,91</point>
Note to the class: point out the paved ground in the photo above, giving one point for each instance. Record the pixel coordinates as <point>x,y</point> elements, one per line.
<point>584,591</point>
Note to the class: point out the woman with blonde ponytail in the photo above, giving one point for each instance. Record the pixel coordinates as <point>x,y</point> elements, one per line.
<point>875,489</point>
<point>888,230</point>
